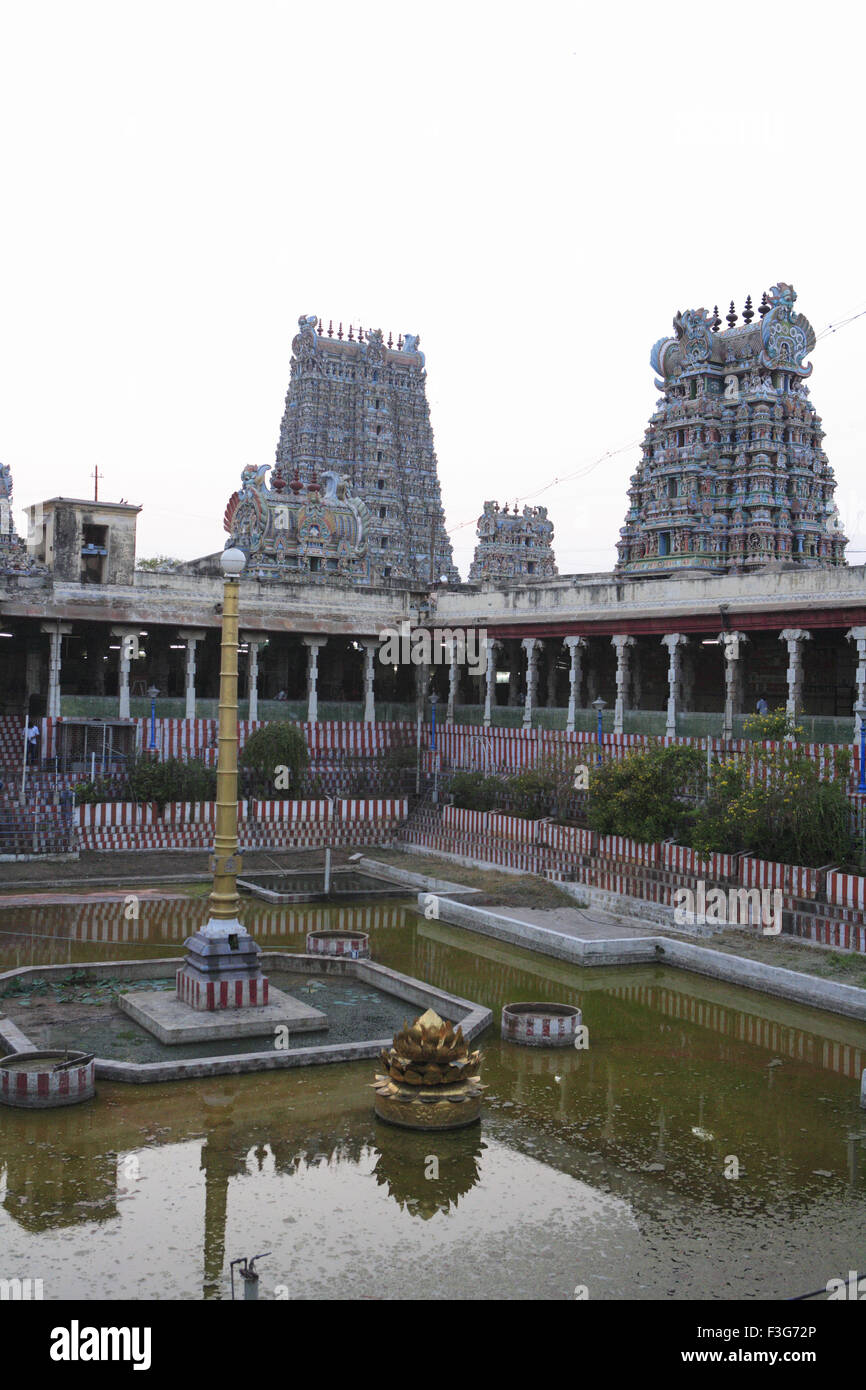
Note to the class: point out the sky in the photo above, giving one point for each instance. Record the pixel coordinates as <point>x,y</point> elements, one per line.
<point>536,190</point>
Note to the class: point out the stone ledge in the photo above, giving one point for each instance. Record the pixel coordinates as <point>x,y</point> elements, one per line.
<point>172,1021</point>
<point>476,1018</point>
<point>829,995</point>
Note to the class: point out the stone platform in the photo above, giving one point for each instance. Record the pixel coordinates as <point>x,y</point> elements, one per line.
<point>172,1021</point>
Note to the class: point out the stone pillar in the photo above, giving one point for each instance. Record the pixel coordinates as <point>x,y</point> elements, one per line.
<point>622,645</point>
<point>253,640</point>
<point>674,641</point>
<point>550,677</point>
<point>574,645</point>
<point>190,636</point>
<point>128,653</point>
<point>490,682</point>
<point>453,674</point>
<point>795,637</point>
<point>313,644</point>
<point>732,645</point>
<point>530,645</point>
<point>858,635</point>
<point>513,674</point>
<point>370,650</point>
<point>55,633</point>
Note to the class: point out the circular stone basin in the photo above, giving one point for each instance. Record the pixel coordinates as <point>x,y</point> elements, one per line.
<point>38,1081</point>
<point>540,1025</point>
<point>354,944</point>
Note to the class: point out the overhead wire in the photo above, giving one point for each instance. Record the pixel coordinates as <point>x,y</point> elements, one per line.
<point>584,471</point>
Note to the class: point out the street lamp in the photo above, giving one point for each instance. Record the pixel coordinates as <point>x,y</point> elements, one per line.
<point>433,701</point>
<point>153,691</point>
<point>599,705</point>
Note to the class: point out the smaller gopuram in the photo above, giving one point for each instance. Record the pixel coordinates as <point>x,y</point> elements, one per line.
<point>15,557</point>
<point>513,545</point>
<point>733,475</point>
<point>314,530</point>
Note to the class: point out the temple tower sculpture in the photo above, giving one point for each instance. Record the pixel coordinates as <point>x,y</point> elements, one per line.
<point>513,545</point>
<point>16,555</point>
<point>733,476</point>
<point>357,407</point>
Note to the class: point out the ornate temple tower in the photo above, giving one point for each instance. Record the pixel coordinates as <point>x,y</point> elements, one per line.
<point>733,475</point>
<point>511,546</point>
<point>15,557</point>
<point>357,407</point>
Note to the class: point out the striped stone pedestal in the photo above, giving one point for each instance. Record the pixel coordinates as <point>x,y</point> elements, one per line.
<point>355,945</point>
<point>540,1025</point>
<point>42,1080</point>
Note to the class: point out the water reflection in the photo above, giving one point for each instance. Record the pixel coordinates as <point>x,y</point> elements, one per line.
<point>605,1167</point>
<point>425,1183</point>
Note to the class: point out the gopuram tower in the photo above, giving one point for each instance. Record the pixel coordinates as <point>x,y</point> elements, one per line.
<point>733,475</point>
<point>357,407</point>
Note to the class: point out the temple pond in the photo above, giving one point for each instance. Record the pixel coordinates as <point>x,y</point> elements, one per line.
<point>608,1170</point>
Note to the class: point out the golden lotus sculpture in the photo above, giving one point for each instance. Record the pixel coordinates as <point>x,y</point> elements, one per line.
<point>430,1079</point>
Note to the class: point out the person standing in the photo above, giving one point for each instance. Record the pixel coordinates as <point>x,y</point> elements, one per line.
<point>762,706</point>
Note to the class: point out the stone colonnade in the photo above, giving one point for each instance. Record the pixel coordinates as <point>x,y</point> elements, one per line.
<point>514,656</point>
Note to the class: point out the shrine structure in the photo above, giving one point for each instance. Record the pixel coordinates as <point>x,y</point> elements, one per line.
<point>357,408</point>
<point>513,545</point>
<point>733,475</point>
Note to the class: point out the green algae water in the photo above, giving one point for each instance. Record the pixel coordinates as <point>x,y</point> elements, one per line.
<point>708,1143</point>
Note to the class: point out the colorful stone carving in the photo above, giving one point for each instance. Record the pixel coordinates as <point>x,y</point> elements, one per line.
<point>733,476</point>
<point>319,535</point>
<point>512,545</point>
<point>357,408</point>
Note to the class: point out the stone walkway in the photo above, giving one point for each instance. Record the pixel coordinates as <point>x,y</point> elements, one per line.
<point>586,924</point>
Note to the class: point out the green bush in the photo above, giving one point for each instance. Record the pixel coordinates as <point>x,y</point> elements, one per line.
<point>169,779</point>
<point>472,791</point>
<point>780,810</point>
<point>776,726</point>
<point>648,795</point>
<point>273,746</point>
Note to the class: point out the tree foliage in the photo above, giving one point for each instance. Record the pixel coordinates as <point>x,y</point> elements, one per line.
<point>276,745</point>
<point>777,807</point>
<point>648,795</point>
<point>776,726</point>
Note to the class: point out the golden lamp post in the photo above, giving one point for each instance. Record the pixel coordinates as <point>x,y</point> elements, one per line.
<point>225,861</point>
<point>221,970</point>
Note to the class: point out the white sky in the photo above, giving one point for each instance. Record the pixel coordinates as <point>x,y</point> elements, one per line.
<point>535,189</point>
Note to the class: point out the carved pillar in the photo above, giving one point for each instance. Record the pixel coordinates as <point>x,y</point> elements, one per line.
<point>858,635</point>
<point>622,645</point>
<point>128,653</point>
<point>55,634</point>
<point>795,637</point>
<point>732,646</point>
<point>687,679</point>
<point>313,644</point>
<point>674,641</point>
<point>575,646</point>
<point>453,673</point>
<point>530,646</point>
<point>513,674</point>
<point>490,681</point>
<point>253,640</point>
<point>370,650</point>
<point>190,636</point>
<point>550,659</point>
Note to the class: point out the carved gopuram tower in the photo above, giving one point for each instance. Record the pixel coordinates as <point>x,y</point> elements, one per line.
<point>357,407</point>
<point>511,546</point>
<point>733,475</point>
